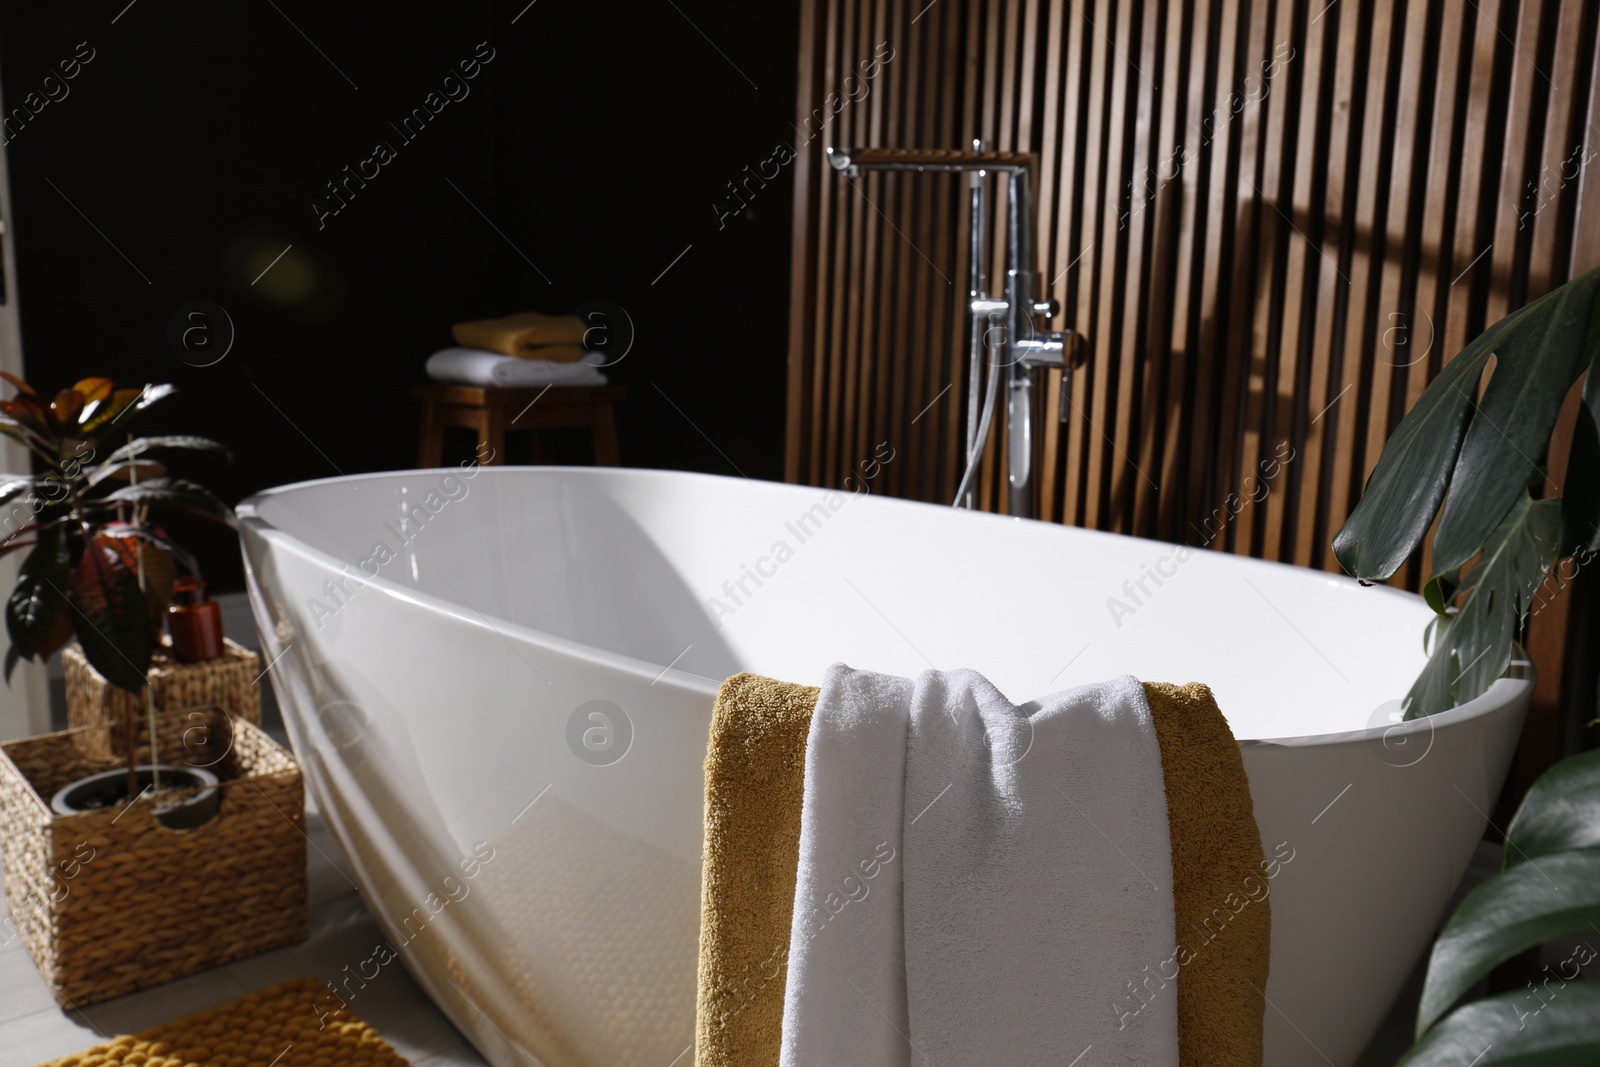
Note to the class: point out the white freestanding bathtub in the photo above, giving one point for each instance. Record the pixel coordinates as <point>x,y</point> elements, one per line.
<point>500,686</point>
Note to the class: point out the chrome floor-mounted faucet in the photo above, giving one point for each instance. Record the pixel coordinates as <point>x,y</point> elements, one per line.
<point>1020,348</point>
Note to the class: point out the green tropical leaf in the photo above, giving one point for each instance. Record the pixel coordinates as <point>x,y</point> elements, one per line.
<point>40,595</point>
<point>1411,476</point>
<point>1560,812</point>
<point>112,618</point>
<point>139,446</point>
<point>1517,1030</point>
<point>1535,364</point>
<point>1527,905</point>
<point>1580,500</point>
<point>176,493</point>
<point>1440,591</point>
<point>1473,647</point>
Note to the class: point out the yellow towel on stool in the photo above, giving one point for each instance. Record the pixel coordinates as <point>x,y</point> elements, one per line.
<point>528,334</point>
<point>755,778</point>
<point>1219,888</point>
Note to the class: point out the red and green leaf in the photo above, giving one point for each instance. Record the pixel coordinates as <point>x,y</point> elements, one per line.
<point>159,572</point>
<point>113,616</point>
<point>157,538</point>
<point>108,411</point>
<point>30,413</point>
<point>94,390</point>
<point>39,599</point>
<point>22,386</point>
<point>64,409</point>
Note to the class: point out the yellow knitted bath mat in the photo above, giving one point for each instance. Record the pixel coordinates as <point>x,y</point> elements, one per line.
<point>299,1023</point>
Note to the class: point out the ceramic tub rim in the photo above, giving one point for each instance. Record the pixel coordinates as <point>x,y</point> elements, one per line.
<point>1508,692</point>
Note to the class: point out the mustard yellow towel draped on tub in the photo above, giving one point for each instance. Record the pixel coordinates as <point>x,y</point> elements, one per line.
<point>755,778</point>
<point>755,775</point>
<point>1219,882</point>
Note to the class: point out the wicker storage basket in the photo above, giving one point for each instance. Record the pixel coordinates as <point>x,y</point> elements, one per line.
<point>227,682</point>
<point>110,901</point>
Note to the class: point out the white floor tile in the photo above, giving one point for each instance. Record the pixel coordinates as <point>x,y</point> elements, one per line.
<point>456,1056</point>
<point>43,1036</point>
<point>150,1007</point>
<point>22,991</point>
<point>343,936</point>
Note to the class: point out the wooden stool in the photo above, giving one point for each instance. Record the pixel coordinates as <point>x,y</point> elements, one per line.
<point>492,412</point>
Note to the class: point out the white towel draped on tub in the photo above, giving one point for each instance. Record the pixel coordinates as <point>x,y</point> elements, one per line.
<point>845,1002</point>
<point>472,366</point>
<point>1030,880</point>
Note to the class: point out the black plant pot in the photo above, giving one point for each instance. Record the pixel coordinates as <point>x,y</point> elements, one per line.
<point>108,787</point>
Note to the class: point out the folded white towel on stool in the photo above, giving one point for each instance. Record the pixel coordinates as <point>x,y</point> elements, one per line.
<point>1034,869</point>
<point>474,366</point>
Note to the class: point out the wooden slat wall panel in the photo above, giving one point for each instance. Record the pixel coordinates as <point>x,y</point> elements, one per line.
<point>1273,219</point>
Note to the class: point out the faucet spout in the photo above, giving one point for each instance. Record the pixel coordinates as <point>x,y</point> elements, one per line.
<point>1011,317</point>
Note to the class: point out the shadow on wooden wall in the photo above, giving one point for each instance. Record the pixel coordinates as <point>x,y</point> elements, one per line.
<point>1274,221</point>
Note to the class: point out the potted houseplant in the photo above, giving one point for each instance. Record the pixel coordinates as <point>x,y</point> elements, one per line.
<point>1482,459</point>
<point>139,890</point>
<point>95,569</point>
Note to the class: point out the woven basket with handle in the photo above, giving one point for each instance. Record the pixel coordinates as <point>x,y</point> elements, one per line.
<point>111,901</point>
<point>228,682</point>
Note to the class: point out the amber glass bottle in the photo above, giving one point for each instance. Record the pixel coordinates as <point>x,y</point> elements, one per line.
<point>194,622</point>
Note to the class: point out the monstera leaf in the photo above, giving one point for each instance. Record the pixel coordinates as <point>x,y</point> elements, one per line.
<point>1561,811</point>
<point>1550,889</point>
<point>1519,909</point>
<point>1410,479</point>
<point>1494,545</point>
<point>113,616</point>
<point>1491,1033</point>
<point>1484,453</point>
<point>1536,363</point>
<point>1472,648</point>
<point>1580,504</point>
